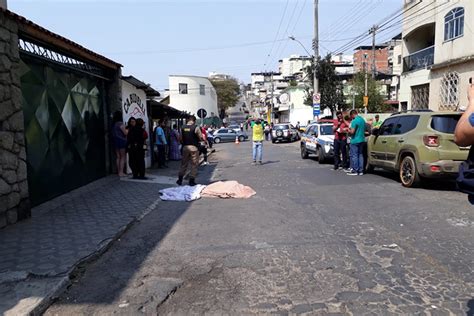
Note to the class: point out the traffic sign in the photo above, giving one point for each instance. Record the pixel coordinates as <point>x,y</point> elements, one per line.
<point>316,109</point>
<point>201,113</point>
<point>316,98</point>
<point>366,101</point>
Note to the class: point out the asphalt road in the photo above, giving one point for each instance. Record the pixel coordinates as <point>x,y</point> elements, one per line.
<point>311,241</point>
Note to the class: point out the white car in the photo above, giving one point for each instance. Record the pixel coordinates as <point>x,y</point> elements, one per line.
<point>318,139</point>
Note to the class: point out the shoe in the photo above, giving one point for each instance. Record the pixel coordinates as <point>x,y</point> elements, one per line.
<point>260,163</point>
<point>334,169</point>
<point>347,170</point>
<point>205,163</point>
<point>192,182</point>
<point>254,163</point>
<point>180,181</point>
<point>352,173</point>
<point>360,174</point>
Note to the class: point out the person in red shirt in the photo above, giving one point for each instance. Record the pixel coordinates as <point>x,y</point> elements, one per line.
<point>340,129</point>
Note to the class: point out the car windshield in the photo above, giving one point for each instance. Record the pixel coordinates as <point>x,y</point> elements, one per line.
<point>445,123</point>
<point>326,129</point>
<point>281,127</point>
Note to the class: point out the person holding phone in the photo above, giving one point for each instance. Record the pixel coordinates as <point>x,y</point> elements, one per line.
<point>464,133</point>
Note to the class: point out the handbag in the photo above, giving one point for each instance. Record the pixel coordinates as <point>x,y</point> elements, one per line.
<point>465,179</point>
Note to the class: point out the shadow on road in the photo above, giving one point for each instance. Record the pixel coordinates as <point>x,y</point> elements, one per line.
<point>106,280</point>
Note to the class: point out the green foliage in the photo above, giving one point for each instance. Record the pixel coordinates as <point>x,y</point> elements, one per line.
<point>330,85</point>
<point>376,99</point>
<point>228,92</point>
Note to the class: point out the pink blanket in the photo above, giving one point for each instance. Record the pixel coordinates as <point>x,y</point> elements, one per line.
<point>227,190</point>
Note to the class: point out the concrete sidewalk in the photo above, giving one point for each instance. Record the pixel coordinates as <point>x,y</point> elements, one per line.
<point>38,255</point>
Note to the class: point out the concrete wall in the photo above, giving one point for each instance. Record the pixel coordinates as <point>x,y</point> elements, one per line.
<point>14,203</point>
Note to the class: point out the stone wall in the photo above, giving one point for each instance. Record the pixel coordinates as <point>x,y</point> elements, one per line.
<point>14,203</point>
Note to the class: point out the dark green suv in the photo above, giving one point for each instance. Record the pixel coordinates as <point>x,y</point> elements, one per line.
<point>417,145</point>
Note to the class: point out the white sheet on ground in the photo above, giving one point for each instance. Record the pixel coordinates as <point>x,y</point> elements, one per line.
<point>185,193</point>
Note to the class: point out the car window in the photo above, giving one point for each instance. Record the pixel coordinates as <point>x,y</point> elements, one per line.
<point>388,126</point>
<point>282,127</point>
<point>311,129</point>
<point>326,129</point>
<point>445,123</point>
<point>222,131</point>
<point>405,124</point>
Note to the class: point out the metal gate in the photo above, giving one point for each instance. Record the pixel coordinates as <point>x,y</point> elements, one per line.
<point>64,127</point>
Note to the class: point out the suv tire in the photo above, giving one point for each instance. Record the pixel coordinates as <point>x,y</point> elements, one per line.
<point>369,168</point>
<point>321,156</point>
<point>217,140</point>
<point>409,175</point>
<point>304,153</point>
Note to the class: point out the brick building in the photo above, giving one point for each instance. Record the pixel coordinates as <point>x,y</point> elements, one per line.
<point>363,54</point>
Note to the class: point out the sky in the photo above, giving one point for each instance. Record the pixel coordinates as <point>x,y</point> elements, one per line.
<point>155,38</point>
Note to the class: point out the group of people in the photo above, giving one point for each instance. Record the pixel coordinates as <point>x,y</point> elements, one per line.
<point>350,141</point>
<point>130,138</point>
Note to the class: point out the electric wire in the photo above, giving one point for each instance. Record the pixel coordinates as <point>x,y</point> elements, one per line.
<point>277,33</point>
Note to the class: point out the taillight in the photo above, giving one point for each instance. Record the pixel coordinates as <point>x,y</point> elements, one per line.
<point>431,141</point>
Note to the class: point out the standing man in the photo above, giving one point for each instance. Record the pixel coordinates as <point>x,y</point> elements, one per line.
<point>191,136</point>
<point>377,122</point>
<point>357,130</point>
<point>257,138</point>
<point>340,128</point>
<point>298,126</point>
<point>161,144</point>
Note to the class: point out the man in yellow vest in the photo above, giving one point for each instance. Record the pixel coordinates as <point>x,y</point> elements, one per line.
<point>257,138</point>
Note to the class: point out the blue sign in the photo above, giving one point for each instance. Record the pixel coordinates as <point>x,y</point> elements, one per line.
<point>316,109</point>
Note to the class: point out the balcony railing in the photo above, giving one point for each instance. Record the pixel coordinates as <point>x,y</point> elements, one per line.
<point>419,60</point>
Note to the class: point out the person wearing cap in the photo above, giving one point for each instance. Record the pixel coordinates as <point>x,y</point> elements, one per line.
<point>377,123</point>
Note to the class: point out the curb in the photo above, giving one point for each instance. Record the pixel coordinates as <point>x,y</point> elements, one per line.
<point>103,246</point>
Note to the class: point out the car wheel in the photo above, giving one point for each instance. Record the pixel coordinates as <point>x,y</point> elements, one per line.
<point>369,168</point>
<point>304,153</point>
<point>321,155</point>
<point>241,138</point>
<point>409,175</point>
<point>217,140</point>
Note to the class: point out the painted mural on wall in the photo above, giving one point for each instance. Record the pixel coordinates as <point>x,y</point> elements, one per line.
<point>134,105</point>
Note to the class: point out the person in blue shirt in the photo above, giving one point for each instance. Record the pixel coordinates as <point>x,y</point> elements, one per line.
<point>357,130</point>
<point>161,144</point>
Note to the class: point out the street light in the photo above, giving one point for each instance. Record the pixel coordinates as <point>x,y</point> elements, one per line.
<point>296,40</point>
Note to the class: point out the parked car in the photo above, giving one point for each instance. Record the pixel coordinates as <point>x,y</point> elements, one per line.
<point>417,145</point>
<point>318,139</point>
<point>229,135</point>
<point>284,132</point>
<point>234,127</point>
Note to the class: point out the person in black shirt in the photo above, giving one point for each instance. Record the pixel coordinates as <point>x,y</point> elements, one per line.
<point>136,149</point>
<point>191,136</point>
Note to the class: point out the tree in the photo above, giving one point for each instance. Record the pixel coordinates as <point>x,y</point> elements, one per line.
<point>228,93</point>
<point>330,85</point>
<point>376,100</point>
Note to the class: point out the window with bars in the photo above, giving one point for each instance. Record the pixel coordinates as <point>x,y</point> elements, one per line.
<point>420,97</point>
<point>449,98</point>
<point>454,24</point>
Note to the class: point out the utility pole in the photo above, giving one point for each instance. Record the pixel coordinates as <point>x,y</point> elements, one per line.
<point>316,49</point>
<point>373,30</point>
<point>366,93</point>
<point>272,116</point>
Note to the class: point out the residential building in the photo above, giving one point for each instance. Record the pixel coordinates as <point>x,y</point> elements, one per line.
<point>294,67</point>
<point>291,107</point>
<point>363,59</point>
<point>438,50</point>
<point>395,65</point>
<point>192,93</point>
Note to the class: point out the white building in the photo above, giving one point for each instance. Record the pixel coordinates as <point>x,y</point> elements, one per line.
<point>438,50</point>
<point>295,67</point>
<point>292,108</point>
<point>191,93</point>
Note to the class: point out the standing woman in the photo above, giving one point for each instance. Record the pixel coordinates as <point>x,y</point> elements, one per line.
<point>119,134</point>
<point>132,122</point>
<point>175,151</point>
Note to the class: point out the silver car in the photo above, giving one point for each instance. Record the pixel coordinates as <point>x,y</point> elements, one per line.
<point>228,135</point>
